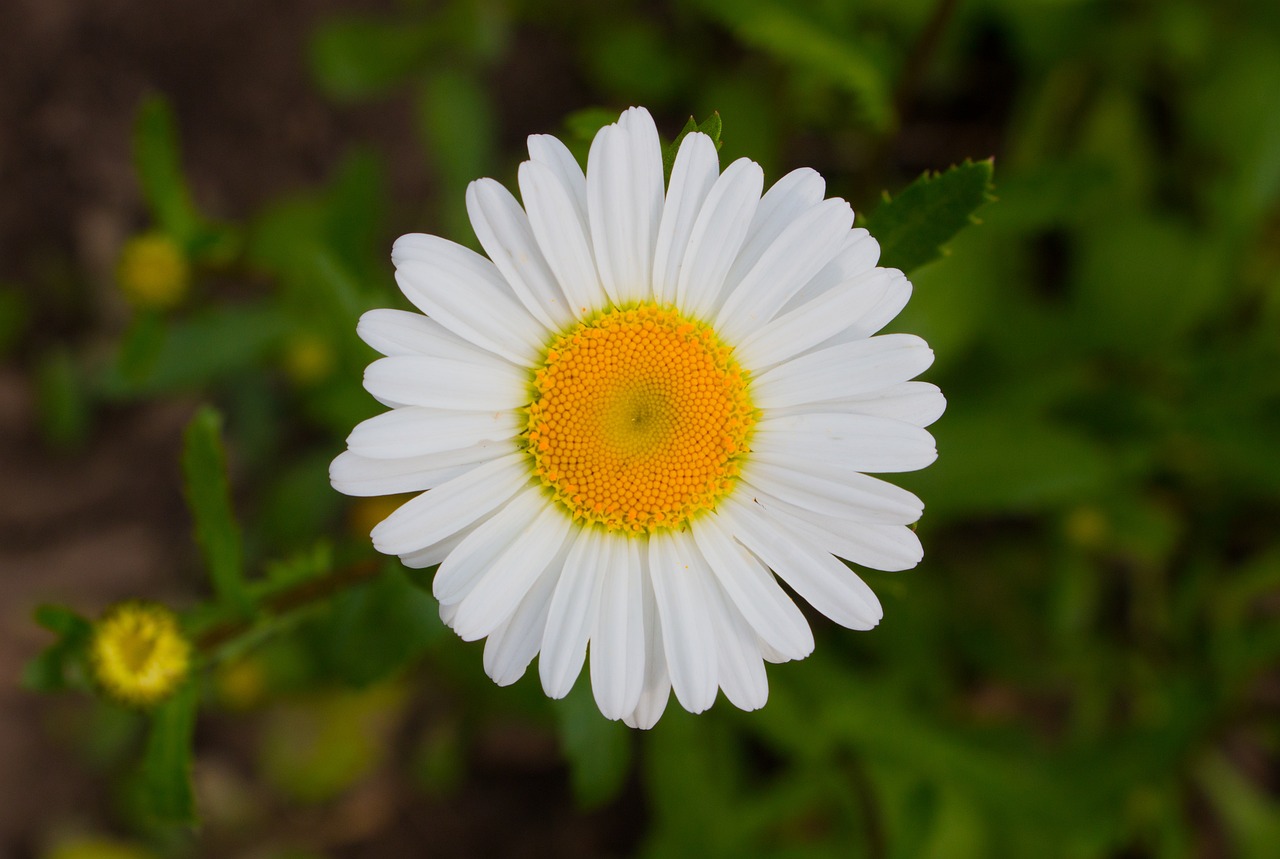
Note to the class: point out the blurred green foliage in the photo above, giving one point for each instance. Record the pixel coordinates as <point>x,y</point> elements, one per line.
<point>1079,667</point>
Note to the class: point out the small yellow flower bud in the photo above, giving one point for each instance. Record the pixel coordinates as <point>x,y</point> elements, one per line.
<point>98,848</point>
<point>241,683</point>
<point>1087,527</point>
<point>308,359</point>
<point>153,272</point>
<point>139,655</point>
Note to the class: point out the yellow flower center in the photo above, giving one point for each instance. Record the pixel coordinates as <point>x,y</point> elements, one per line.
<point>139,655</point>
<point>638,420</point>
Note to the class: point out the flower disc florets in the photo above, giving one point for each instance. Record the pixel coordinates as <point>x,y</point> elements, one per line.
<point>139,655</point>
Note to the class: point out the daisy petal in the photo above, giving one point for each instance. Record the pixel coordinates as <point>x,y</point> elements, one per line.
<point>572,612</point>
<point>842,371</point>
<point>431,556</point>
<point>826,583</point>
<point>414,431</point>
<point>460,572</point>
<point>857,442</point>
<point>548,151</point>
<point>694,172</point>
<point>753,590</point>
<point>793,194</point>
<point>400,332</point>
<point>880,547</point>
<point>442,383</point>
<point>740,666</point>
<point>562,235</point>
<point>858,255</point>
<point>788,263</point>
<point>820,319</point>
<point>465,293</point>
<point>512,646</point>
<point>617,645</point>
<point>917,403</point>
<point>455,504</point>
<point>717,236</point>
<point>679,588</point>
<point>504,232</point>
<point>848,495</point>
<point>624,204</point>
<point>352,474</point>
<point>501,588</point>
<point>657,683</point>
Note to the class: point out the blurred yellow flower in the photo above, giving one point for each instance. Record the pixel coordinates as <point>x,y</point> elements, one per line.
<point>308,359</point>
<point>241,683</point>
<point>139,655</point>
<point>98,848</point>
<point>153,272</point>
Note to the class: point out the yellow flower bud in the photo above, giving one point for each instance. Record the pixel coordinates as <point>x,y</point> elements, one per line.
<point>139,655</point>
<point>308,359</point>
<point>98,848</point>
<point>153,272</point>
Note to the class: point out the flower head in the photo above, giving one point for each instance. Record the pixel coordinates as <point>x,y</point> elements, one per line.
<point>153,272</point>
<point>642,410</point>
<point>138,653</point>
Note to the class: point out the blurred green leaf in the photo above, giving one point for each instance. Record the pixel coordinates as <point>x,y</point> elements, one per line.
<point>784,30</point>
<point>209,496</point>
<point>50,670</point>
<point>166,762</point>
<point>208,346</point>
<point>598,750</point>
<point>376,628</point>
<point>458,127</point>
<point>913,227</point>
<point>62,399</point>
<point>157,159</point>
<point>358,58</point>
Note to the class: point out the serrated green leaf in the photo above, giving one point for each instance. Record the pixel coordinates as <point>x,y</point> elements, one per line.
<point>157,159</point>
<point>711,126</point>
<point>598,750</point>
<point>166,762</point>
<point>209,497</point>
<point>62,620</point>
<point>48,672</point>
<point>913,227</point>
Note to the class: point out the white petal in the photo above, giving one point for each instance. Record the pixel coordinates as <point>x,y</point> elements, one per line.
<point>717,237</point>
<point>441,383</point>
<point>688,637</point>
<point>739,665</point>
<point>694,172</point>
<point>880,547</point>
<point>481,551</point>
<point>551,153</point>
<point>352,474</point>
<point>617,644</point>
<point>465,293</point>
<point>800,252</point>
<point>562,235</point>
<point>414,431</point>
<point>918,403</point>
<point>753,589</point>
<point>624,204</point>
<point>451,506</point>
<point>502,587</point>
<point>826,583</point>
<point>657,682</point>
<point>819,319</point>
<point>791,195</point>
<point>858,442</point>
<point>504,232</point>
<point>571,617</point>
<point>858,255</point>
<point>842,494</point>
<point>430,556</point>
<point>842,371</point>
<point>400,332</point>
<point>512,646</point>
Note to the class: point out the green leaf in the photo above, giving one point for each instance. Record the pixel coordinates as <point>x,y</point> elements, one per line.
<point>913,227</point>
<point>711,126</point>
<point>158,161</point>
<point>209,497</point>
<point>356,59</point>
<point>62,399</point>
<point>598,750</point>
<point>166,762</point>
<point>51,670</point>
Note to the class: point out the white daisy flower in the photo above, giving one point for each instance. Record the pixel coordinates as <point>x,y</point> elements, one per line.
<point>641,411</point>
